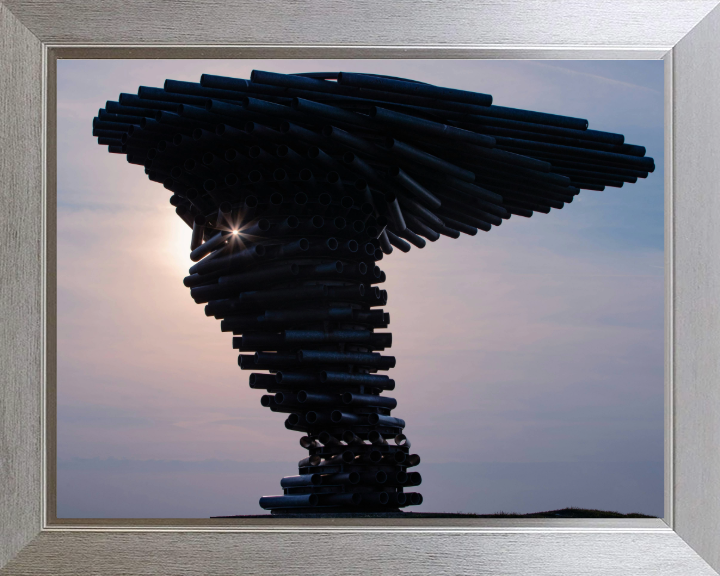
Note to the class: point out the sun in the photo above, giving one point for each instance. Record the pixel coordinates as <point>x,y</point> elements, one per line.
<point>177,246</point>
<point>178,242</point>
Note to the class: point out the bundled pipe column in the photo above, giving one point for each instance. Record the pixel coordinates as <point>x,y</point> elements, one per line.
<point>295,187</point>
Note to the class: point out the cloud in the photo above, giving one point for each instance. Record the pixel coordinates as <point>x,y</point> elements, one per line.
<point>101,416</point>
<point>112,488</point>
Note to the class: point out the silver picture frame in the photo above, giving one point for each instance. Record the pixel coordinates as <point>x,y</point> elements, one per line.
<point>34,35</point>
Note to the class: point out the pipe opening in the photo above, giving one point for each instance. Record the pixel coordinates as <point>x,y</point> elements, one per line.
<point>210,186</point>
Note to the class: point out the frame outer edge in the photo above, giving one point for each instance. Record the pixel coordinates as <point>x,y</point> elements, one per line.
<point>696,168</point>
<point>21,230</point>
<point>67,553</point>
<point>21,71</point>
<point>365,23</point>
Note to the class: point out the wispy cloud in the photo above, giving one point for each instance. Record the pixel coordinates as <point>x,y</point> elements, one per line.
<point>116,488</point>
<point>607,78</point>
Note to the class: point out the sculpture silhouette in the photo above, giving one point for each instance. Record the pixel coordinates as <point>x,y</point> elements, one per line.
<point>295,186</point>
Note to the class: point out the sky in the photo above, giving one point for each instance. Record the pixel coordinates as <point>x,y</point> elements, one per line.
<point>529,359</point>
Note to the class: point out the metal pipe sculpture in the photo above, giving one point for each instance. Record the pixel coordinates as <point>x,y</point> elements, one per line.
<point>295,187</point>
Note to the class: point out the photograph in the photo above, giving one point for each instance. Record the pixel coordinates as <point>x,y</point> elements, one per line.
<point>360,288</point>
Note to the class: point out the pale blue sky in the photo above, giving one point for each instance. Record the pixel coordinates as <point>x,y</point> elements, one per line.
<point>538,386</point>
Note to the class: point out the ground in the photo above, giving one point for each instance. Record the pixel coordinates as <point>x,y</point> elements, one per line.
<point>564,513</point>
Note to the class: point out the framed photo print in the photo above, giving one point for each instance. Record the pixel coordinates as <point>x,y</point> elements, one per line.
<point>534,212</point>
